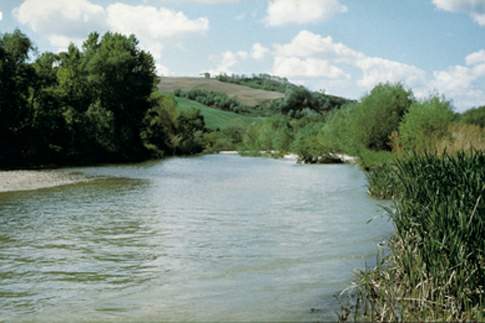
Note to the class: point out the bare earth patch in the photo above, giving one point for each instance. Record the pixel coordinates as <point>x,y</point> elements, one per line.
<point>246,95</point>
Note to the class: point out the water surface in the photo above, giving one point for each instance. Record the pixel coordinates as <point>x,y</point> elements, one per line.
<point>196,239</point>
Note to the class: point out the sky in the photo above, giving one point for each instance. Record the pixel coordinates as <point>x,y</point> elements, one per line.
<point>343,47</point>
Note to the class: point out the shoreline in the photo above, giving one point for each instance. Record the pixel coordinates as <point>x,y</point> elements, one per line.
<point>30,180</point>
<point>332,158</point>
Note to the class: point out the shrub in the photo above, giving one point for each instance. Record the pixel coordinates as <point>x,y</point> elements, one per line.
<point>425,124</point>
<point>474,116</point>
<point>379,114</point>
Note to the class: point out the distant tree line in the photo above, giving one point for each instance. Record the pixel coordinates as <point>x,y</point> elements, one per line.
<point>97,103</point>
<point>389,120</point>
<point>298,101</point>
<point>216,100</point>
<point>258,81</point>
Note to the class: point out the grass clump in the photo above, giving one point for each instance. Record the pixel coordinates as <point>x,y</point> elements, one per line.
<point>435,270</point>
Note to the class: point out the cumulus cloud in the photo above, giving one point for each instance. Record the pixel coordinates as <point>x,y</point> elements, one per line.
<point>313,55</point>
<point>66,21</point>
<point>282,12</point>
<point>307,67</point>
<point>213,1</point>
<point>316,59</point>
<point>474,8</point>
<point>464,84</point>
<point>476,58</point>
<point>259,51</point>
<point>152,25</point>
<point>228,60</point>
<point>61,18</point>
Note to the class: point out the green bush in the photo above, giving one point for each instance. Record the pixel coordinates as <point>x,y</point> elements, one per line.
<point>379,114</point>
<point>474,116</point>
<point>424,124</point>
<point>213,99</point>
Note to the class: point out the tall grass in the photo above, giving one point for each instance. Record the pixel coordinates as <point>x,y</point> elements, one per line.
<point>436,267</point>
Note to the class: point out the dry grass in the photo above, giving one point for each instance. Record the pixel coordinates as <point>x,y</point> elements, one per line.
<point>246,95</point>
<point>463,137</point>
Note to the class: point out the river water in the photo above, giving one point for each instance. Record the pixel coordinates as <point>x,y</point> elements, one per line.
<point>187,239</point>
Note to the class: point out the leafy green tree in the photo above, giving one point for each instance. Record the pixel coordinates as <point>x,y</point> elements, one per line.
<point>122,77</point>
<point>190,132</point>
<point>160,127</point>
<point>16,77</point>
<point>474,116</point>
<point>425,123</point>
<point>378,115</point>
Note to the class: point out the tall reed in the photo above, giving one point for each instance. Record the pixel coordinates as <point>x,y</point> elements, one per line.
<point>435,270</point>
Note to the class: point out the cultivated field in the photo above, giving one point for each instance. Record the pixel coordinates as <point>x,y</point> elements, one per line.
<point>246,95</point>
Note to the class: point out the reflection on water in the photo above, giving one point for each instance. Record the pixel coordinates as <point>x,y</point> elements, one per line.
<point>208,238</point>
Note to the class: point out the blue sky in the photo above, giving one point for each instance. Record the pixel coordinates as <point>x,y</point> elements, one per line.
<point>344,47</point>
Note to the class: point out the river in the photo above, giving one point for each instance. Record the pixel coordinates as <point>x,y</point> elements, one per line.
<point>187,239</point>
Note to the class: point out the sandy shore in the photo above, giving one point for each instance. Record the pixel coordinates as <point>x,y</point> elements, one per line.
<point>26,180</point>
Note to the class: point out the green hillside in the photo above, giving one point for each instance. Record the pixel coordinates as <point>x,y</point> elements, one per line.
<point>215,118</point>
<point>244,94</point>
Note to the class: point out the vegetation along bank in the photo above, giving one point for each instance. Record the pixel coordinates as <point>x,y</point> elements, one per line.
<point>103,102</point>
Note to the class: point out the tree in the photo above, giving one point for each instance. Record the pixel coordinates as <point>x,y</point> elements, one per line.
<point>378,115</point>
<point>16,77</point>
<point>425,123</point>
<point>190,133</point>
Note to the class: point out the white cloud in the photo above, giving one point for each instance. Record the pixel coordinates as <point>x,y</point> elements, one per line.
<point>66,21</point>
<point>460,83</point>
<point>476,57</point>
<point>376,70</point>
<point>306,67</point>
<point>152,25</point>
<point>60,42</point>
<point>1,16</point>
<point>213,1</point>
<point>151,22</point>
<point>228,60</point>
<point>67,18</point>
<point>316,49</point>
<point>474,8</point>
<point>282,12</point>
<point>308,44</point>
<point>322,63</point>
<point>259,51</point>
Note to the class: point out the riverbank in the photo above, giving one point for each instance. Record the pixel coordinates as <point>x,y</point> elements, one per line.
<point>435,268</point>
<point>27,180</point>
<point>329,159</point>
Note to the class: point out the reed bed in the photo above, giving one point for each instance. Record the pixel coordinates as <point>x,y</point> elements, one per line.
<point>435,267</point>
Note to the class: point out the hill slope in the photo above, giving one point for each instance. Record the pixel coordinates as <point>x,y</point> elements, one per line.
<point>215,118</point>
<point>246,95</point>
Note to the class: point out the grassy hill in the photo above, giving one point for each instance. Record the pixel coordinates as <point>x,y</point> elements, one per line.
<point>246,95</point>
<point>215,118</point>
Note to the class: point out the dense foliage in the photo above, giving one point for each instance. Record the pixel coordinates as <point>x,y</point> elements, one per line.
<point>298,101</point>
<point>426,122</point>
<point>475,116</point>
<point>260,81</point>
<point>93,104</point>
<point>213,99</point>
